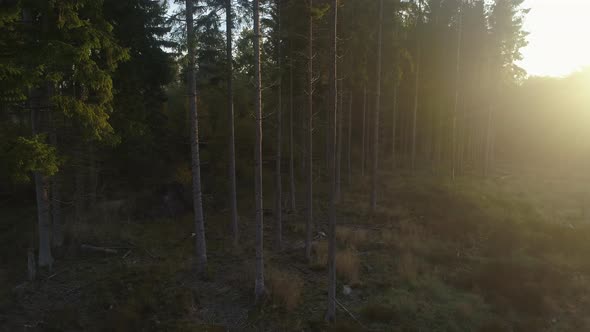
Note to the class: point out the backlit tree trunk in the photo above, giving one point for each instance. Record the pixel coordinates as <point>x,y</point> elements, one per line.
<point>291,138</point>
<point>396,84</point>
<point>364,134</point>
<point>456,101</point>
<point>278,183</point>
<point>377,111</point>
<point>349,143</point>
<point>309,143</point>
<point>417,86</point>
<point>231,139</point>
<point>201,248</point>
<point>331,312</point>
<point>259,273</point>
<point>339,116</point>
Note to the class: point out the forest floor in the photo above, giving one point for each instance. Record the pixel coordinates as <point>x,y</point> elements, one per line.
<point>503,254</point>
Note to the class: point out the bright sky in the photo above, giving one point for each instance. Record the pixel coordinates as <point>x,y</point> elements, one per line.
<point>559,37</point>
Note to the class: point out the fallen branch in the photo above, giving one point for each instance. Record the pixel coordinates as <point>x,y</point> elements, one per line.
<point>127,254</point>
<point>101,249</point>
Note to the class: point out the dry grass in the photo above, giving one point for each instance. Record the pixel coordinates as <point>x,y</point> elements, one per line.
<point>409,236</point>
<point>319,257</point>
<point>348,265</point>
<point>285,287</point>
<point>347,262</point>
<point>352,237</point>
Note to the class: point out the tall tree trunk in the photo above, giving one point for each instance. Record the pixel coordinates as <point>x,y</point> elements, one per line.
<point>331,312</point>
<point>456,101</point>
<point>327,142</point>
<point>349,143</point>
<point>201,248</point>
<point>309,143</point>
<point>92,177</point>
<point>339,115</point>
<point>417,87</point>
<point>303,146</point>
<point>377,111</point>
<point>259,274</point>
<point>41,182</point>
<point>364,134</point>
<point>279,185</point>
<point>291,139</point>
<point>80,190</point>
<point>42,194</point>
<point>57,236</point>
<point>43,216</point>
<point>230,109</point>
<point>394,127</point>
<point>396,84</point>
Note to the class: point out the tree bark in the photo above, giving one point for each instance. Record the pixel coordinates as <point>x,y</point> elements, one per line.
<point>231,139</point>
<point>339,115</point>
<point>417,87</point>
<point>396,84</point>
<point>279,185</point>
<point>364,134</point>
<point>456,101</point>
<point>291,138</point>
<point>394,127</point>
<point>377,111</point>
<point>331,312</point>
<point>349,143</point>
<point>309,143</point>
<point>201,248</point>
<point>57,237</point>
<point>41,182</point>
<point>80,191</point>
<point>92,177</point>
<point>41,192</point>
<point>259,274</point>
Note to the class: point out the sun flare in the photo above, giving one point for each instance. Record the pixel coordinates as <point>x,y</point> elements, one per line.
<point>557,32</point>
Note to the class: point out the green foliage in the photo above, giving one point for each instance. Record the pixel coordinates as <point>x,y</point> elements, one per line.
<point>28,155</point>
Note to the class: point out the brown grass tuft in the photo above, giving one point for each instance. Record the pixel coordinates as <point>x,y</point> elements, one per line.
<point>348,265</point>
<point>409,237</point>
<point>319,258</point>
<point>285,287</point>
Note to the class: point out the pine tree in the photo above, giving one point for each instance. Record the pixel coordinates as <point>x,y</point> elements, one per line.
<point>377,111</point>
<point>331,312</point>
<point>231,137</point>
<point>259,274</point>
<point>201,248</point>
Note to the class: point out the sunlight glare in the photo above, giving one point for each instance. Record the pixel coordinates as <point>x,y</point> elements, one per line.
<point>559,30</point>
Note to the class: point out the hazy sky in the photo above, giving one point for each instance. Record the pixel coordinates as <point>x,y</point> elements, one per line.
<point>559,40</point>
<point>559,36</point>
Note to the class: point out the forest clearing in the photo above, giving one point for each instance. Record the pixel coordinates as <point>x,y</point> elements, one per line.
<point>291,165</point>
<point>475,255</point>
